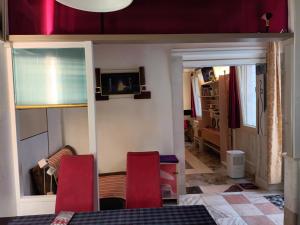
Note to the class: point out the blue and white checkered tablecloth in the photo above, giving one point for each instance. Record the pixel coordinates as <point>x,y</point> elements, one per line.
<point>176,215</point>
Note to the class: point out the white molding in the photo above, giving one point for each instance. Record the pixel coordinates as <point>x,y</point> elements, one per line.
<point>43,204</point>
<point>221,53</point>
<point>90,75</point>
<point>178,118</point>
<point>222,62</point>
<point>181,58</point>
<point>221,56</point>
<point>291,15</point>
<point>13,129</point>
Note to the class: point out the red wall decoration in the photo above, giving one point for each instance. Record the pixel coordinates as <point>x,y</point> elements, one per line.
<point>148,16</point>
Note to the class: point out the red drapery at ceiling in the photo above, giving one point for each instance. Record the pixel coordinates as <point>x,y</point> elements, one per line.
<point>148,16</point>
<point>50,17</point>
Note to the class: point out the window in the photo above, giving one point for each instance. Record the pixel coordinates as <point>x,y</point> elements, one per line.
<point>196,94</point>
<point>246,75</point>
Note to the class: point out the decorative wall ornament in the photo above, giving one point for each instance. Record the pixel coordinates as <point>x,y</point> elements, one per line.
<point>120,83</point>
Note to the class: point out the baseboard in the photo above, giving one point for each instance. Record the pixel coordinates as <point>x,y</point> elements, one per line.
<point>263,184</point>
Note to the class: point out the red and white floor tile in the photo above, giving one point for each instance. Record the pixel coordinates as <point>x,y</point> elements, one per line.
<point>241,208</point>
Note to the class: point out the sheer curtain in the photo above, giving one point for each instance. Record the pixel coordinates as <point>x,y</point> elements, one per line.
<point>246,75</point>
<point>196,94</point>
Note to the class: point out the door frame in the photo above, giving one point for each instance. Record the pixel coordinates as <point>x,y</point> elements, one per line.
<point>225,54</point>
<point>45,204</point>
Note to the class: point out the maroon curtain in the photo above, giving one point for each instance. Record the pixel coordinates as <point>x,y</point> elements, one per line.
<point>234,103</point>
<point>50,17</point>
<point>193,109</point>
<point>148,16</point>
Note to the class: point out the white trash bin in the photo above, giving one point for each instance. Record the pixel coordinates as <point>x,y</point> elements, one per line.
<point>236,164</point>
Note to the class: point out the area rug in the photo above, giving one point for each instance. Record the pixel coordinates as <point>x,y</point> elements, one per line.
<point>234,188</point>
<point>277,200</point>
<point>193,190</point>
<point>248,186</point>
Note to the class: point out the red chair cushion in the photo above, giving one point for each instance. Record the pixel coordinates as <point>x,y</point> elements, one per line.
<point>75,190</point>
<point>143,180</point>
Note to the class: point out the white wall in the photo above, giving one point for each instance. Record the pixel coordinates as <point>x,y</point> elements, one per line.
<point>292,161</point>
<point>135,125</point>
<point>7,187</point>
<point>34,128</point>
<point>31,122</point>
<point>125,124</point>
<point>75,129</point>
<point>54,117</point>
<point>186,90</point>
<point>31,150</point>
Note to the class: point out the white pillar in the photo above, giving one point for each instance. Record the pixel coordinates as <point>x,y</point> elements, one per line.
<point>7,185</point>
<point>178,118</point>
<point>292,160</point>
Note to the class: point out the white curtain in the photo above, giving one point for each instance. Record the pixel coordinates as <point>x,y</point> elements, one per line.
<point>246,76</point>
<point>196,93</point>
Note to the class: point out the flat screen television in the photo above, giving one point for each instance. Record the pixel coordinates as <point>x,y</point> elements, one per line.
<point>120,83</point>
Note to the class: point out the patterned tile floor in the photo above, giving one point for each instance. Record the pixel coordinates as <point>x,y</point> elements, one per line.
<point>240,208</point>
<point>213,182</point>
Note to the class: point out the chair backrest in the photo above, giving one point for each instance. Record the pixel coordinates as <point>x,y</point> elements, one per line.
<point>143,180</point>
<point>75,189</point>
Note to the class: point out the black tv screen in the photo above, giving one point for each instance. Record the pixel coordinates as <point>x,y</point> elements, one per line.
<point>120,83</point>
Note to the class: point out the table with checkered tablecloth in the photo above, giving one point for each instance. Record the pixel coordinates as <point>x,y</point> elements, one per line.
<point>177,215</point>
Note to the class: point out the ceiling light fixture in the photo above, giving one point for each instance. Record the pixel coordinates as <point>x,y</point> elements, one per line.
<point>97,5</point>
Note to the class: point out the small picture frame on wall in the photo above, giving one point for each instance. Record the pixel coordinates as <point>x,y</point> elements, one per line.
<point>121,82</point>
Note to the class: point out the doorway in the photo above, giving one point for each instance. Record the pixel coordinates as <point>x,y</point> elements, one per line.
<point>222,194</point>
<point>209,135</point>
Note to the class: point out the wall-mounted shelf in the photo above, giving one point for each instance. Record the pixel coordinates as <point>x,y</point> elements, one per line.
<point>156,38</point>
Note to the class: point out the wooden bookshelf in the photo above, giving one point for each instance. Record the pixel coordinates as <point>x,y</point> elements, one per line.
<point>214,101</point>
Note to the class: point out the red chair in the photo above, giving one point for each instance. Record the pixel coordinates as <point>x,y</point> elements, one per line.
<point>143,180</point>
<point>75,189</point>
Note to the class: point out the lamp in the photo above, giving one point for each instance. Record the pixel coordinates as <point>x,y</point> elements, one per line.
<point>51,172</point>
<point>97,5</point>
<point>43,164</point>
